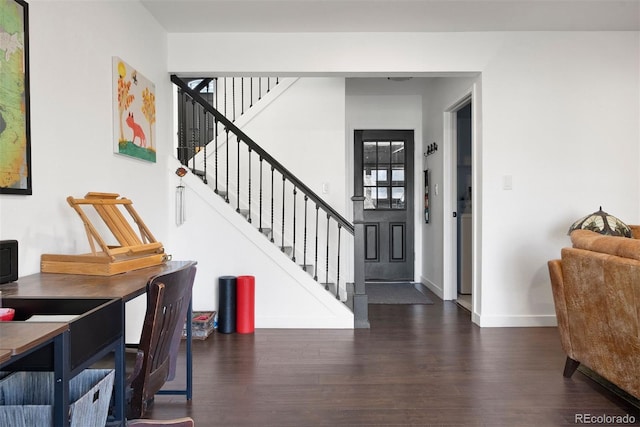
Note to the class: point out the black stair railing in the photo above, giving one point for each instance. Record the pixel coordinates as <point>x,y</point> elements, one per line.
<point>220,92</point>
<point>283,197</point>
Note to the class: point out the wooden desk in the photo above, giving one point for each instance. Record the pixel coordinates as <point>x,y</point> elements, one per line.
<point>19,340</point>
<point>125,286</point>
<point>5,355</point>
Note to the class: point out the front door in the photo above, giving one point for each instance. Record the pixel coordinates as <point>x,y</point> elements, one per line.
<point>384,173</point>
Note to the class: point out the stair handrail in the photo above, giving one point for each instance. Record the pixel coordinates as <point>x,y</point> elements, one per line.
<point>195,96</point>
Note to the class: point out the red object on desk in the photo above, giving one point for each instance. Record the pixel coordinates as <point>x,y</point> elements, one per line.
<point>6,314</point>
<point>245,301</point>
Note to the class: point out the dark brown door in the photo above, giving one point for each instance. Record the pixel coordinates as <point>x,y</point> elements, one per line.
<point>384,172</point>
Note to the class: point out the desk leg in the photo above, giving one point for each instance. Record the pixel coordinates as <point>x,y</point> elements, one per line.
<point>62,377</point>
<point>120,385</point>
<point>189,353</point>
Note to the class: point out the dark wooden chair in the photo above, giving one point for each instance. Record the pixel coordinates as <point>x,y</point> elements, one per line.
<point>178,422</point>
<point>168,298</point>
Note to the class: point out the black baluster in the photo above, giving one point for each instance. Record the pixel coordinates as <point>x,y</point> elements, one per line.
<point>185,148</point>
<point>259,88</point>
<point>215,134</point>
<point>260,199</point>
<point>225,97</point>
<point>204,147</point>
<point>272,210</point>
<point>293,254</point>
<point>226,197</point>
<point>238,176</point>
<point>199,128</point>
<point>250,92</point>
<point>304,246</point>
<point>249,173</point>
<point>283,200</point>
<point>268,84</point>
<point>315,267</point>
<point>215,150</point>
<point>233,97</point>
<point>199,121</point>
<point>327,258</point>
<point>338,268</point>
<point>181,126</point>
<point>226,193</point>
<point>192,151</point>
<point>241,95</point>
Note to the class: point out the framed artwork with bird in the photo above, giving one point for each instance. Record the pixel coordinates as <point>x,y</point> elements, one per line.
<point>134,112</point>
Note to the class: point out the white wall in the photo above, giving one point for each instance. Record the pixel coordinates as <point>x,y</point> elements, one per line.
<point>304,130</point>
<point>324,54</point>
<point>442,94</point>
<point>549,110</point>
<point>551,103</point>
<point>71,46</point>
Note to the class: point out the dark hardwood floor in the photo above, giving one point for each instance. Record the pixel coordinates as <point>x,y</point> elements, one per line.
<point>418,365</point>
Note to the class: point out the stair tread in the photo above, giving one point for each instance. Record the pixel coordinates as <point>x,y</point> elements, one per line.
<point>308,268</point>
<point>245,213</point>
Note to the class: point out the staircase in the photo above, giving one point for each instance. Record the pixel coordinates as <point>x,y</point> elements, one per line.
<point>282,208</point>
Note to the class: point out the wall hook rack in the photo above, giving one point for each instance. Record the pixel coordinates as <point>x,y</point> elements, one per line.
<point>431,149</point>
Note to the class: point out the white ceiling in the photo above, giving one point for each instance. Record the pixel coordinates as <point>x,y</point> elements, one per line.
<point>393,15</point>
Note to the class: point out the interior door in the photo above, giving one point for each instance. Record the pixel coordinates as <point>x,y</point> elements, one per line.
<point>384,172</point>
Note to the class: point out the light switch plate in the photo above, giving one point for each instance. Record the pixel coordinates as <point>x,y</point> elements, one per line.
<point>507,182</point>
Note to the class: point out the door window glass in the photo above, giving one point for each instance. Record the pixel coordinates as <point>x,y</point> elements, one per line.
<point>384,165</point>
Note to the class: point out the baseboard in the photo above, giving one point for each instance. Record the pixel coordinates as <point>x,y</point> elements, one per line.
<point>432,287</point>
<point>507,321</point>
<point>293,322</point>
<point>464,303</point>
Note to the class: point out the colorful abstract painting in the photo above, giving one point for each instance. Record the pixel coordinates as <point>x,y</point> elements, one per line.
<point>134,112</point>
<point>15,145</point>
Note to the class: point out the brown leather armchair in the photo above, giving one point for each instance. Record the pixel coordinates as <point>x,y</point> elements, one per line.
<point>596,292</point>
